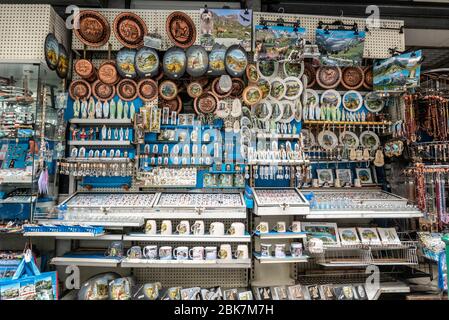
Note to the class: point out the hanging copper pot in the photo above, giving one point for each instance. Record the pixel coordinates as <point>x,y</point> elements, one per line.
<point>352,77</point>
<point>103,91</point>
<point>328,77</point>
<point>127,89</point>
<point>107,73</point>
<point>310,73</point>
<point>147,89</point>
<point>368,82</point>
<point>80,89</point>
<point>86,70</point>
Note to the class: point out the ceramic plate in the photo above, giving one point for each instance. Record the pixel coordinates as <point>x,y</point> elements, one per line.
<point>262,111</point>
<point>197,61</point>
<point>312,99</point>
<point>352,101</point>
<point>147,62</point>
<point>51,48</point>
<point>327,140</point>
<point>79,89</point>
<point>107,73</point>
<point>168,90</point>
<point>352,77</point>
<point>278,88</point>
<point>369,140</point>
<point>251,73</point>
<point>252,95</point>
<point>236,61</point>
<point>127,89</point>
<point>129,29</point>
<point>63,62</point>
<point>217,60</point>
<point>349,140</point>
<point>310,73</point>
<point>174,62</point>
<point>180,29</point>
<point>294,69</point>
<point>125,63</point>
<point>267,69</point>
<point>206,103</point>
<point>293,87</point>
<point>328,77</point>
<point>173,105</point>
<point>374,102</point>
<point>330,98</point>
<point>237,87</point>
<point>368,83</point>
<point>102,91</point>
<point>309,138</point>
<point>147,89</point>
<point>194,89</point>
<point>288,113</point>
<point>216,89</point>
<point>277,110</point>
<point>93,29</point>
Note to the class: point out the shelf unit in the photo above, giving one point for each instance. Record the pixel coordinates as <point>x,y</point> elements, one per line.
<point>280,235</point>
<point>186,238</point>
<point>101,121</point>
<point>221,264</point>
<point>100,143</point>
<point>274,260</point>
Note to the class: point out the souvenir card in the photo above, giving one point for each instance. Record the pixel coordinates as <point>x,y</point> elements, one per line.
<point>360,292</point>
<point>264,293</point>
<point>326,231</point>
<point>296,292</point>
<point>191,294</point>
<point>348,236</point>
<point>369,236</point>
<point>212,294</point>
<point>340,47</point>
<point>230,294</point>
<point>327,292</point>
<point>314,292</point>
<point>364,175</point>
<point>345,292</point>
<point>325,176</point>
<point>389,236</point>
<point>344,175</point>
<point>246,295</point>
<point>280,293</point>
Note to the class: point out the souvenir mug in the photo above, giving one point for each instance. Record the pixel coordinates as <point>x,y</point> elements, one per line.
<point>216,228</point>
<point>181,253</point>
<point>210,253</point>
<point>135,252</point>
<point>115,249</point>
<point>279,250</point>
<point>198,228</point>
<point>166,227</point>
<point>183,227</point>
<point>165,253</point>
<point>150,252</point>
<point>265,250</point>
<point>150,227</point>
<point>196,253</point>
<point>241,252</point>
<point>225,252</point>
<point>280,226</point>
<point>295,227</point>
<point>296,249</point>
<point>237,229</point>
<point>151,290</point>
<point>263,227</point>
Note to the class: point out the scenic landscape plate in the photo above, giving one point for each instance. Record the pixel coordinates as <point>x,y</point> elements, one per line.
<point>174,62</point>
<point>147,62</point>
<point>236,61</point>
<point>197,61</point>
<point>125,63</point>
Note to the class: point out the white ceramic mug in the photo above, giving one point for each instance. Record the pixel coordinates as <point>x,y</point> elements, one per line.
<point>196,253</point>
<point>225,252</point>
<point>134,252</point>
<point>181,253</point>
<point>165,253</point>
<point>241,252</point>
<point>150,227</point>
<point>166,227</point>
<point>279,250</point>
<point>296,249</point>
<point>237,229</point>
<point>210,253</point>
<point>280,226</point>
<point>216,228</point>
<point>150,252</point>
<point>183,227</point>
<point>198,228</point>
<point>265,249</point>
<point>263,227</point>
<point>295,226</point>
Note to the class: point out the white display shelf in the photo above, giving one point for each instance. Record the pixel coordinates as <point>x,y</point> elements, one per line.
<point>101,121</point>
<point>95,223</point>
<point>185,238</point>
<point>74,235</point>
<point>223,264</point>
<point>277,162</point>
<point>100,143</point>
<point>287,259</point>
<point>85,262</point>
<point>278,136</point>
<point>280,235</point>
<point>96,159</point>
<point>358,214</point>
<point>167,213</point>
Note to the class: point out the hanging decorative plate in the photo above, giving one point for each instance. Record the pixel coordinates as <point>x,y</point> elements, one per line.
<point>294,69</point>
<point>368,83</point>
<point>93,29</point>
<point>309,138</point>
<point>327,140</point>
<point>310,73</point>
<point>262,111</point>
<point>217,60</point>
<point>267,69</point>
<point>264,86</point>
<point>173,105</point>
<point>369,140</point>
<point>215,87</point>
<point>63,62</point>
<point>237,87</point>
<point>289,111</point>
<point>236,61</point>
<point>374,102</point>
<point>125,63</point>
<point>174,62</point>
<point>246,112</point>
<point>84,68</point>
<point>352,101</point>
<point>180,29</point>
<point>312,99</point>
<point>51,48</point>
<point>168,90</point>
<point>194,89</point>
<point>79,89</point>
<point>252,95</point>
<point>278,88</point>
<point>328,77</point>
<point>206,103</point>
<point>127,89</point>
<point>330,98</point>
<point>277,110</point>
<point>107,73</point>
<point>246,122</point>
<point>197,61</point>
<point>293,88</point>
<point>352,77</point>
<point>251,73</point>
<point>349,140</point>
<point>103,91</point>
<point>129,29</point>
<point>147,89</point>
<point>147,62</point>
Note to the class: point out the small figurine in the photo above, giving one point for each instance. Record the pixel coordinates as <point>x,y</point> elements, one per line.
<point>83,134</point>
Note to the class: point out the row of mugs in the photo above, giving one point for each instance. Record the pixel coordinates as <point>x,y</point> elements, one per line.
<point>280,250</point>
<point>197,228</point>
<point>184,253</point>
<point>280,226</point>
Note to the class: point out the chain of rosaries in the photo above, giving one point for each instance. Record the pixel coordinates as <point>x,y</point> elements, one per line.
<point>436,117</point>
<point>97,169</point>
<point>410,119</point>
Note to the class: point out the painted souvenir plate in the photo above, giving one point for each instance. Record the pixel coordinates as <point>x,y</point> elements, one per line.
<point>206,103</point>
<point>103,91</point>
<point>215,87</point>
<point>330,98</point>
<point>93,29</point>
<point>293,88</point>
<point>309,138</point>
<point>264,86</point>
<point>312,99</point>
<point>349,140</point>
<point>294,69</point>
<point>147,62</point>
<point>288,111</point>
<point>217,60</point>
<point>278,88</point>
<point>327,140</point>
<point>129,29</point>
<point>147,89</point>
<point>174,62</point>
<point>237,87</point>
<point>262,111</point>
<point>352,101</point>
<point>173,105</point>
<point>51,48</point>
<point>368,83</point>
<point>374,102</point>
<point>267,69</point>
<point>127,89</point>
<point>197,61</point>
<point>125,63</point>
<point>168,90</point>
<point>252,95</point>
<point>79,89</point>
<point>180,29</point>
<point>108,73</point>
<point>251,73</point>
<point>63,62</point>
<point>236,61</point>
<point>310,73</point>
<point>328,77</point>
<point>277,110</point>
<point>194,89</point>
<point>352,77</point>
<point>369,140</point>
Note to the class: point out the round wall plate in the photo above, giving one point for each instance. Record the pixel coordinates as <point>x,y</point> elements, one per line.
<point>51,49</point>
<point>352,77</point>
<point>93,29</point>
<point>80,89</point>
<point>251,73</point>
<point>264,86</point>
<point>237,87</point>
<point>312,98</point>
<point>267,69</point>
<point>368,82</point>
<point>206,103</point>
<point>147,62</point>
<point>294,69</point>
<point>168,90</point>
<point>84,68</point>
<point>194,89</point>
<point>63,62</point>
<point>173,105</point>
<point>107,73</point>
<point>252,95</point>
<point>127,89</point>
<point>197,61</point>
<point>331,98</point>
<point>174,63</point>
<point>352,100</point>
<point>147,89</point>
<point>125,63</point>
<point>215,88</point>
<point>374,102</point>
<point>180,29</point>
<point>327,140</point>
<point>217,60</point>
<point>309,138</point>
<point>349,140</point>
<point>370,140</point>
<point>328,77</point>
<point>236,61</point>
<point>129,29</point>
<point>262,111</point>
<point>103,91</point>
<point>294,88</point>
<point>288,113</point>
<point>278,88</point>
<point>310,73</point>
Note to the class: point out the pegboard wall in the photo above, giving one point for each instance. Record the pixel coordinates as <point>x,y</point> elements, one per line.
<point>377,42</point>
<point>23,29</point>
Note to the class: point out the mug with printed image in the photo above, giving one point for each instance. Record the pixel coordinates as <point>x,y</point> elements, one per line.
<point>241,252</point>
<point>183,227</point>
<point>196,253</point>
<point>216,228</point>
<point>280,226</point>
<point>263,227</point>
<point>150,227</point>
<point>237,229</point>
<point>295,226</point>
<point>225,252</point>
<point>166,227</point>
<point>150,252</point>
<point>135,252</point>
<point>181,253</point>
<point>210,253</point>
<point>198,228</point>
<point>165,253</point>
